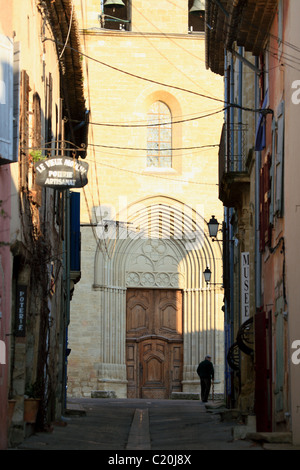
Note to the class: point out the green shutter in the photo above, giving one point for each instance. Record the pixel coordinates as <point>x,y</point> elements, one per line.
<point>274,130</point>
<point>279,162</point>
<point>279,374</point>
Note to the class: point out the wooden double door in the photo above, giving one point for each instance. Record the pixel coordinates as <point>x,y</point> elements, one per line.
<point>154,344</point>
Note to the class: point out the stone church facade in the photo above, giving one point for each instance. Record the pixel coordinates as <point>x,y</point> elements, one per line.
<point>142,316</point>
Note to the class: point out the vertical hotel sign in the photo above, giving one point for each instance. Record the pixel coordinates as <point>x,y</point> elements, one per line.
<point>245,286</point>
<point>21,300</point>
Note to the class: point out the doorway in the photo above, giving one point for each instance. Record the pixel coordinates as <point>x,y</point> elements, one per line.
<point>154,343</point>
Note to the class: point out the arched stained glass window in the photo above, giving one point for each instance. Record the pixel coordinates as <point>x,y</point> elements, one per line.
<point>159,139</point>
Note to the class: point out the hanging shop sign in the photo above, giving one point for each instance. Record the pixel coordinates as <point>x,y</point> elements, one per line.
<point>61,173</point>
<point>20,320</point>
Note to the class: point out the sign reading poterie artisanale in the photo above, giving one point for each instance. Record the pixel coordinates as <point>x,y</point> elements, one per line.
<point>61,173</point>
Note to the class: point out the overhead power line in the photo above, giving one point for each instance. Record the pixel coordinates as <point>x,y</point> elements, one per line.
<point>202,95</point>
<point>154,149</point>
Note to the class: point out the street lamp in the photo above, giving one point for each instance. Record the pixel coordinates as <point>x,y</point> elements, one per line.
<point>213,227</point>
<point>207,277</point>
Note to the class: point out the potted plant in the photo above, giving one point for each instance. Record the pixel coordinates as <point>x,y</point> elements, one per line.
<point>32,400</point>
<point>36,156</point>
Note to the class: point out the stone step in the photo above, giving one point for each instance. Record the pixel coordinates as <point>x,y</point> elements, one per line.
<point>271,437</point>
<point>74,410</point>
<point>103,394</point>
<point>185,396</point>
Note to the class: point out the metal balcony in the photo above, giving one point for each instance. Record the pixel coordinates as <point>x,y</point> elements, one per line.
<point>233,173</point>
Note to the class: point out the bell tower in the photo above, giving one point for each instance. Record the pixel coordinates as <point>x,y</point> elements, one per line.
<point>144,316</point>
<point>139,16</point>
<point>116,14</point>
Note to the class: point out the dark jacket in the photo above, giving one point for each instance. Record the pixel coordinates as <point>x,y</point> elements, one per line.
<point>205,370</point>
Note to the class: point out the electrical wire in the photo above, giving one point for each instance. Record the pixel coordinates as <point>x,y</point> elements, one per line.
<point>68,35</point>
<point>171,40</point>
<point>126,170</point>
<point>153,124</point>
<point>154,149</point>
<point>117,69</point>
<point>232,105</point>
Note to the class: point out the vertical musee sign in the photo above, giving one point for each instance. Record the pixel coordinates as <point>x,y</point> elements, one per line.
<point>245,286</point>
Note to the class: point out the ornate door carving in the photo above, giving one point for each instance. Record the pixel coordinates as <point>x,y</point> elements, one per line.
<point>154,342</point>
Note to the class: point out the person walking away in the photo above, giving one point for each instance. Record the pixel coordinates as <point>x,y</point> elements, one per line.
<point>205,370</point>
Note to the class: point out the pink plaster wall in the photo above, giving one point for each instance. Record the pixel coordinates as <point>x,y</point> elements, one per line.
<point>5,295</point>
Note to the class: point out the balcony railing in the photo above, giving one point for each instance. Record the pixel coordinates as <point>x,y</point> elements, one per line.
<point>232,160</point>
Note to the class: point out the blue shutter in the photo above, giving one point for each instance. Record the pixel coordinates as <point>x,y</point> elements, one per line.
<point>6,98</point>
<point>75,232</point>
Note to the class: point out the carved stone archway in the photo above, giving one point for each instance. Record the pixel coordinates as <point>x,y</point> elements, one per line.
<point>163,245</point>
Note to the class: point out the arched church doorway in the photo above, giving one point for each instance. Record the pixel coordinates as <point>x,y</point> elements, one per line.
<point>154,343</point>
<point>158,318</point>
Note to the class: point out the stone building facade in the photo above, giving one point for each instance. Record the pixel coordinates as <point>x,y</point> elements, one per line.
<point>41,90</point>
<point>142,316</point>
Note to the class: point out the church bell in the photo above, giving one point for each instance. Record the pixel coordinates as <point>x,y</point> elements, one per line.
<point>198,7</point>
<point>114,3</point>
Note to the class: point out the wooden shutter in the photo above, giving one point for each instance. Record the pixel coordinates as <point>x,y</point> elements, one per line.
<point>36,143</point>
<point>24,129</point>
<point>48,107</point>
<point>265,202</point>
<point>272,172</point>
<point>280,351</point>
<point>262,373</point>
<point>16,101</point>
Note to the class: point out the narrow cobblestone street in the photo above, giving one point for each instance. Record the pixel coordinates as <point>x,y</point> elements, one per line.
<point>135,425</point>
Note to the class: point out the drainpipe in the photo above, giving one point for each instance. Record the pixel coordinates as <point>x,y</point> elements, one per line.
<point>257,200</point>
<point>240,114</point>
<point>229,307</point>
<point>230,210</point>
<point>67,286</point>
<point>232,114</point>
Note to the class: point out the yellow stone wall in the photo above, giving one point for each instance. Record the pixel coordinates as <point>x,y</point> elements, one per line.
<point>126,71</point>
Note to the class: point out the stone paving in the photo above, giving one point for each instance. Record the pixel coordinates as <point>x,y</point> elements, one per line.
<point>140,425</point>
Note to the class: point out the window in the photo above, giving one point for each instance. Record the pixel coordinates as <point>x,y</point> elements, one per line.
<point>277,166</point>
<point>159,139</point>
<point>265,203</point>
